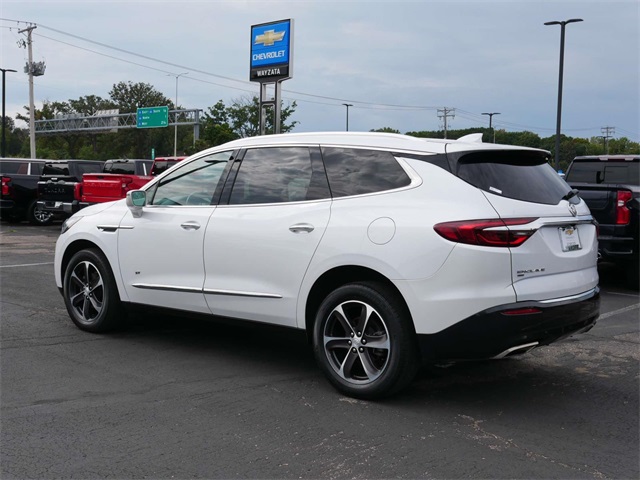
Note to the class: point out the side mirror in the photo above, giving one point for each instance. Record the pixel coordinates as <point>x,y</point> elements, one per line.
<point>136,199</point>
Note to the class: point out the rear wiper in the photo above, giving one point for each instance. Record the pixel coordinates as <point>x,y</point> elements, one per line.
<point>572,193</point>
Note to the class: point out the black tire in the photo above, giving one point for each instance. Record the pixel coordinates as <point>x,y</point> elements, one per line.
<point>364,341</point>
<point>37,216</point>
<point>90,292</point>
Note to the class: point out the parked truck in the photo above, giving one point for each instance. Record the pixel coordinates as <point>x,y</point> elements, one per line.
<point>19,194</point>
<point>59,182</point>
<point>610,185</point>
<point>117,178</point>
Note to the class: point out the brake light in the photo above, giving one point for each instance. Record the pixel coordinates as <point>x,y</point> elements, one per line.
<point>6,189</point>
<point>125,182</point>
<point>487,233</point>
<point>623,214</point>
<point>77,191</point>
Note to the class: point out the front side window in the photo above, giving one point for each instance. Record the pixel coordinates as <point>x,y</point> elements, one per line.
<point>277,175</point>
<point>193,184</point>
<point>355,171</point>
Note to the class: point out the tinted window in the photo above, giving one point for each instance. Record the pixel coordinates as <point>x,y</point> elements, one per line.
<point>14,167</point>
<point>193,184</point>
<point>56,169</point>
<point>120,167</point>
<point>604,172</point>
<point>519,175</point>
<point>354,171</point>
<point>276,175</point>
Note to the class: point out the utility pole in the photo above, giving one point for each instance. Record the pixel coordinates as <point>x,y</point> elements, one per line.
<point>175,128</point>
<point>347,105</point>
<point>4,123</point>
<point>490,123</point>
<point>607,133</point>
<point>445,113</point>
<point>29,69</point>
<point>561,70</point>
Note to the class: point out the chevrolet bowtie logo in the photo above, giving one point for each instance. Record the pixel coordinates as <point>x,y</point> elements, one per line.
<point>269,37</point>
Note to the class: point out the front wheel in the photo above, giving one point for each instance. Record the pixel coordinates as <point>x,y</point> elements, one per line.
<point>364,341</point>
<point>90,292</point>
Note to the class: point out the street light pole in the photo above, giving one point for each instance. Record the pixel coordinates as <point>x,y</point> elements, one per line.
<point>175,115</point>
<point>347,105</point>
<point>490,123</point>
<point>562,24</point>
<point>3,148</point>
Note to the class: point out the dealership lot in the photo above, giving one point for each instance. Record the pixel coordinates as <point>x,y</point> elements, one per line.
<point>189,399</point>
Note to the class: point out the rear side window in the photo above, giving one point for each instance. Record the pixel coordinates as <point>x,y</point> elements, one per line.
<point>519,175</point>
<point>278,175</point>
<point>604,172</point>
<point>354,171</point>
<point>14,167</point>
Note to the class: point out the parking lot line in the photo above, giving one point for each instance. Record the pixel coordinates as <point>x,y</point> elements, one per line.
<point>620,310</point>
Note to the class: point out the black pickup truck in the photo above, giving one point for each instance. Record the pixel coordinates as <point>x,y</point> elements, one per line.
<point>18,198</point>
<point>59,184</point>
<point>610,185</point>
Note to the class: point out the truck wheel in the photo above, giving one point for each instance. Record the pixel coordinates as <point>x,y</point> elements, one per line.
<point>38,216</point>
<point>364,341</point>
<point>90,292</point>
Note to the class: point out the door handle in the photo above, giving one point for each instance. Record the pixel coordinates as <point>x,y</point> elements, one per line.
<point>302,228</point>
<point>190,225</point>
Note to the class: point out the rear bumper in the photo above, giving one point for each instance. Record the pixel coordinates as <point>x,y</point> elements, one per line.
<point>617,248</point>
<point>7,204</point>
<point>68,208</point>
<point>494,333</point>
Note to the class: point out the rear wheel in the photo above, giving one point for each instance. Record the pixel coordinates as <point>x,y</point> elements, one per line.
<point>38,216</point>
<point>364,341</point>
<point>90,292</point>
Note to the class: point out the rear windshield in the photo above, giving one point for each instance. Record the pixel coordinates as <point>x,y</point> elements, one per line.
<point>604,172</point>
<point>120,167</point>
<point>519,175</point>
<point>56,169</point>
<point>160,166</point>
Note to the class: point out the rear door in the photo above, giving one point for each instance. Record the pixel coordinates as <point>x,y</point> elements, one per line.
<point>559,257</point>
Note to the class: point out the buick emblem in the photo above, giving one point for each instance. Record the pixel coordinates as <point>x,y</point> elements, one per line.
<point>573,210</point>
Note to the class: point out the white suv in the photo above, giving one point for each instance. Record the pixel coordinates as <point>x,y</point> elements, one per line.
<point>388,250</point>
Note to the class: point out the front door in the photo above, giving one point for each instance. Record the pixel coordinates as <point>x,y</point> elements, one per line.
<point>161,252</point>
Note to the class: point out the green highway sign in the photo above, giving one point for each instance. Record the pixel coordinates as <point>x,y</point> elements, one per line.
<point>152,117</point>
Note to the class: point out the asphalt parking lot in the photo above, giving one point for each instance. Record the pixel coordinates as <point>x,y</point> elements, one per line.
<point>171,398</point>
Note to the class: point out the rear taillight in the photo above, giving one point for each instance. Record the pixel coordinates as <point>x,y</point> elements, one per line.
<point>623,214</point>
<point>487,233</point>
<point>6,189</point>
<point>125,183</point>
<point>77,191</point>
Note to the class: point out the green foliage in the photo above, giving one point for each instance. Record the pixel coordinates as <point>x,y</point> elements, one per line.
<point>385,130</point>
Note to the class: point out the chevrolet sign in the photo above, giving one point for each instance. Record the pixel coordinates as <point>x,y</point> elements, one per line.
<point>271,51</point>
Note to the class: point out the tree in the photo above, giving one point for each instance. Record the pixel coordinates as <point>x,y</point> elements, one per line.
<point>244,117</point>
<point>221,123</point>
<point>137,143</point>
<point>385,130</point>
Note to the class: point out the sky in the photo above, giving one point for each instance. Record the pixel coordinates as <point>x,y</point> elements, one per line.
<point>397,62</point>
